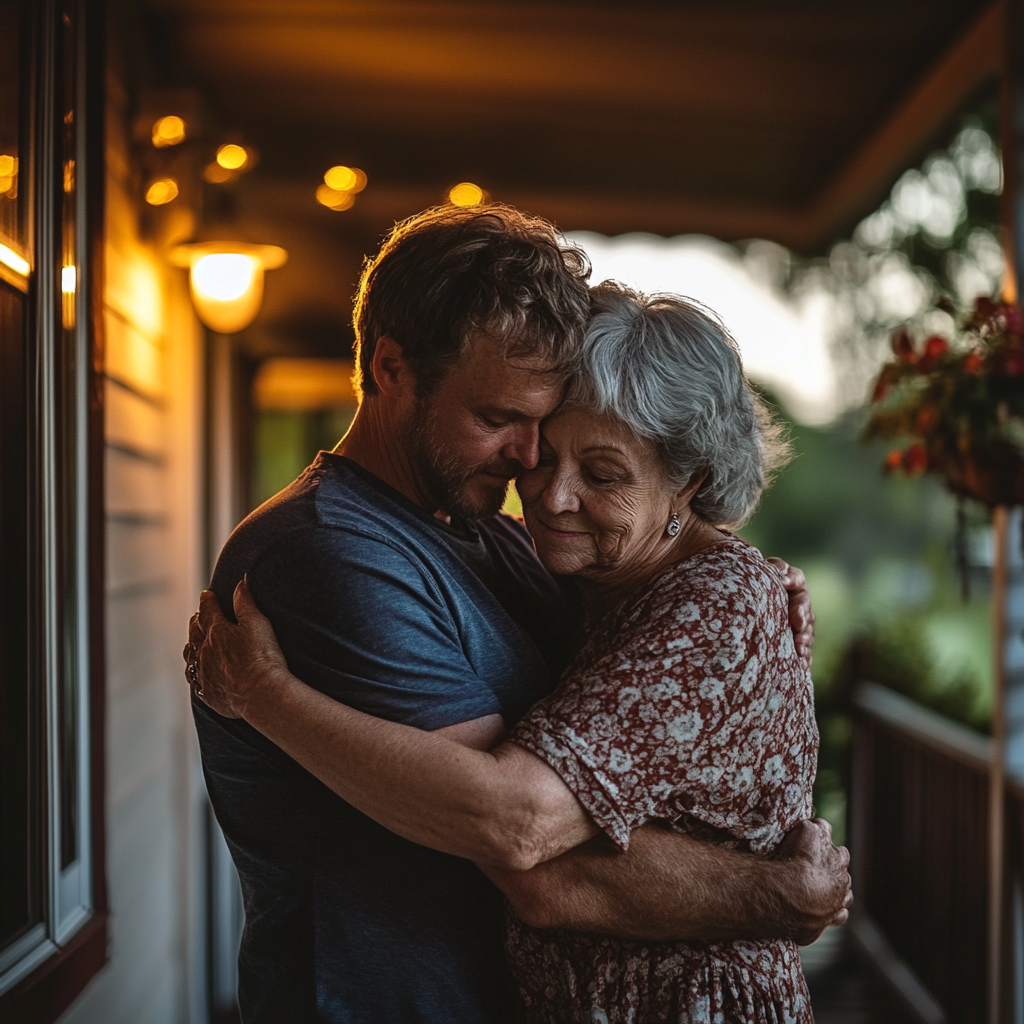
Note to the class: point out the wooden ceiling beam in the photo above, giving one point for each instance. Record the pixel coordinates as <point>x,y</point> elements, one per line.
<point>974,60</point>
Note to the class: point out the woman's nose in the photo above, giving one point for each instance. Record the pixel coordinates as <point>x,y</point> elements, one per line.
<point>560,495</point>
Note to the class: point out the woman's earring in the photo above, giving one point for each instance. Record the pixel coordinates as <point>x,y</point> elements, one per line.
<point>674,526</point>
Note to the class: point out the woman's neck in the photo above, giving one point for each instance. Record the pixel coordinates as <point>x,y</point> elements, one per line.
<point>606,589</point>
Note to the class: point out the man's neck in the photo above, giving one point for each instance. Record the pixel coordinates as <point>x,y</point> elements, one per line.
<point>375,442</point>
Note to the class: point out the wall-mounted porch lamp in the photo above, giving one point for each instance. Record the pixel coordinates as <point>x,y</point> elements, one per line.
<point>226,280</point>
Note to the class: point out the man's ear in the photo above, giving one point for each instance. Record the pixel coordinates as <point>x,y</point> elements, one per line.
<point>390,368</point>
<point>685,494</point>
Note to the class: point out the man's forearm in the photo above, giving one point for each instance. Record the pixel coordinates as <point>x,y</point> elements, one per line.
<point>667,887</point>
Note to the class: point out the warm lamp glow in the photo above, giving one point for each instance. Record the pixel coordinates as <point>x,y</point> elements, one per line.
<point>224,276</point>
<point>168,131</point>
<point>345,179</point>
<point>217,175</point>
<point>8,175</point>
<point>334,199</point>
<point>226,280</point>
<point>303,384</point>
<point>232,157</point>
<point>162,191</point>
<point>466,194</point>
<point>68,283</point>
<point>9,258</point>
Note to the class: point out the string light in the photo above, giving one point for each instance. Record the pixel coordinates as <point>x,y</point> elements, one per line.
<point>334,199</point>
<point>168,131</point>
<point>162,191</point>
<point>466,194</point>
<point>345,179</point>
<point>232,157</point>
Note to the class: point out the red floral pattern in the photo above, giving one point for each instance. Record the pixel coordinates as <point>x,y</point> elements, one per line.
<point>691,706</point>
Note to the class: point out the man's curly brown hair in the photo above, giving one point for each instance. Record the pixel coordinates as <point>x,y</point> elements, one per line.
<point>449,273</point>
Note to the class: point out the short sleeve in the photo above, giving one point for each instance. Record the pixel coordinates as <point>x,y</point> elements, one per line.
<point>361,621</point>
<point>695,705</point>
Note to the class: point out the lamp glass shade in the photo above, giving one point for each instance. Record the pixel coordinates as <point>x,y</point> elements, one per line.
<point>227,290</point>
<point>226,280</point>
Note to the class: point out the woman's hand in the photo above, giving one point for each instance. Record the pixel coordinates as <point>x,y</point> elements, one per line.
<point>234,664</point>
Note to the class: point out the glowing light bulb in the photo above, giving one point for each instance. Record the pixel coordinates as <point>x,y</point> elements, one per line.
<point>168,131</point>
<point>466,194</point>
<point>224,276</point>
<point>232,157</point>
<point>163,190</point>
<point>340,178</point>
<point>227,289</point>
<point>226,280</point>
<point>68,282</point>
<point>345,179</point>
<point>333,199</point>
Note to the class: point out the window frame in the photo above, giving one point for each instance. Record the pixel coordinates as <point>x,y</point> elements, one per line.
<point>45,969</point>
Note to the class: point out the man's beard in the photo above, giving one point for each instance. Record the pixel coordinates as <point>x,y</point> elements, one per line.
<point>444,476</point>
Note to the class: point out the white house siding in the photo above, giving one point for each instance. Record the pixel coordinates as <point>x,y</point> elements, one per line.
<point>155,809</point>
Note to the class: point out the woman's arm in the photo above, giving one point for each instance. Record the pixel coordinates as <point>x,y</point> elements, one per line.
<point>505,807</point>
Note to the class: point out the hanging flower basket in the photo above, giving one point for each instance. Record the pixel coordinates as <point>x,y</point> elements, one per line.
<point>960,405</point>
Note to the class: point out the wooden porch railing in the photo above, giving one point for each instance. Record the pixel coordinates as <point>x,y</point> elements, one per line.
<point>919,832</point>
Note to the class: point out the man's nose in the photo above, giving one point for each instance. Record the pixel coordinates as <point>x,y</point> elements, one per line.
<point>525,447</point>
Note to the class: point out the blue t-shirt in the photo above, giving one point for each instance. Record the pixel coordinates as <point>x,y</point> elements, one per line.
<point>391,611</point>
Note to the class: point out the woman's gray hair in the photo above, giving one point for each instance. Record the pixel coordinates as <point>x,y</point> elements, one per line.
<point>667,367</point>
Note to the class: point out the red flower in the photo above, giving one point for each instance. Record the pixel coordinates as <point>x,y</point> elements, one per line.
<point>934,349</point>
<point>880,390</point>
<point>984,308</point>
<point>903,346</point>
<point>915,459</point>
<point>893,461</point>
<point>973,363</point>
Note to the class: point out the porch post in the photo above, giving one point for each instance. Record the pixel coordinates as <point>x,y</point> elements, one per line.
<point>1008,575</point>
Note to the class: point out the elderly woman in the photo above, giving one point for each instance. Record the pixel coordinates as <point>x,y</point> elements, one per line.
<point>687,702</point>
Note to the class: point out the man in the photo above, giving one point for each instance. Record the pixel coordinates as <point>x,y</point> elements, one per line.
<point>394,587</point>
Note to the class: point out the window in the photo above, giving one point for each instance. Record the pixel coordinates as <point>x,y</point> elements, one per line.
<point>47,868</point>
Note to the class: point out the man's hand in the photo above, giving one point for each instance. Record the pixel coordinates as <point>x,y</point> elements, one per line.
<point>801,617</point>
<point>671,887</point>
<point>819,892</point>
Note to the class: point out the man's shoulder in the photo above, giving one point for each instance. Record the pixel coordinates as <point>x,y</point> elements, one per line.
<point>327,517</point>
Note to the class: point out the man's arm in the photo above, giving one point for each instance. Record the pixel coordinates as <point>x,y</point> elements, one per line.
<point>670,886</point>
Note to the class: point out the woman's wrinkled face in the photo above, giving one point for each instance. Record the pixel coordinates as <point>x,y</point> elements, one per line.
<point>598,502</point>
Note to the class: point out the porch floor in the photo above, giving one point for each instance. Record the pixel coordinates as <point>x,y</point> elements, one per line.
<point>843,990</point>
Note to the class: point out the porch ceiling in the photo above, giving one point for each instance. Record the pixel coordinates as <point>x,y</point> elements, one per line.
<point>733,118</point>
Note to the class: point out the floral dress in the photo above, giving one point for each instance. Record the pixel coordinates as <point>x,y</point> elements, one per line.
<point>687,705</point>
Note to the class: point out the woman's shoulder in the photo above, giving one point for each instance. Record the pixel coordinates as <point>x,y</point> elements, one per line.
<point>732,571</point>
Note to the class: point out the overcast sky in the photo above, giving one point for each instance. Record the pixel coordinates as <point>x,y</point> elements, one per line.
<point>784,347</point>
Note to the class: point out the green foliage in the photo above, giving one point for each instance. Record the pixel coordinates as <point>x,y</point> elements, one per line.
<point>877,555</point>
<point>286,441</point>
